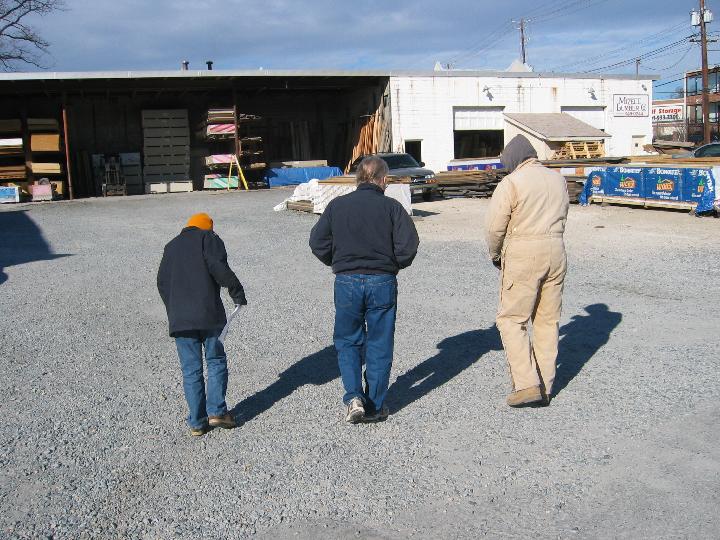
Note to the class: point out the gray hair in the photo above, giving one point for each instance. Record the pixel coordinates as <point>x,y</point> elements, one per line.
<point>371,169</point>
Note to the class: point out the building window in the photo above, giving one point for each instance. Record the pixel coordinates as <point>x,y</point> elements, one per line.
<point>414,148</point>
<point>713,82</point>
<point>478,143</point>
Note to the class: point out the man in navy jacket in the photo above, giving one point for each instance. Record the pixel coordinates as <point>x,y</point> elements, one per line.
<point>366,238</point>
<point>193,269</point>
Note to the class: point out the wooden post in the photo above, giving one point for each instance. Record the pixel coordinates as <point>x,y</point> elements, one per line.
<point>705,97</point>
<point>237,136</point>
<point>71,192</point>
<point>29,176</point>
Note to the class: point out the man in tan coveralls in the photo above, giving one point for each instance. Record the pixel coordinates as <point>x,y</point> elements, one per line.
<point>525,227</point>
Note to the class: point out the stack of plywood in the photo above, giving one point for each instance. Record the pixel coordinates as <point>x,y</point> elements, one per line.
<point>12,156</point>
<point>11,146</point>
<point>12,172</point>
<point>45,142</point>
<point>46,168</point>
<point>166,149</point>
<point>45,147</point>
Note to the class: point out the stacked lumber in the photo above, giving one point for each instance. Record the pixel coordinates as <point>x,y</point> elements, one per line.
<point>575,186</point>
<point>13,125</point>
<point>580,150</point>
<point>11,146</point>
<point>166,146</point>
<point>301,206</point>
<point>369,135</point>
<point>12,172</point>
<point>45,168</point>
<point>43,125</point>
<point>45,142</point>
<point>476,184</point>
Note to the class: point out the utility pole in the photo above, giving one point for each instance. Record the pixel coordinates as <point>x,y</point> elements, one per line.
<point>705,84</point>
<point>522,40</point>
<point>637,68</point>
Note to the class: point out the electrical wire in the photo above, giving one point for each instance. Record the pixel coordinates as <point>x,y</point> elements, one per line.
<point>646,55</point>
<point>645,41</point>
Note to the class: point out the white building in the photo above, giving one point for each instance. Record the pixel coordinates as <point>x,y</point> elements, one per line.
<point>459,114</point>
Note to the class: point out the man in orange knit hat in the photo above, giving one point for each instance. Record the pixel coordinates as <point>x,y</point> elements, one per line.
<point>194,266</point>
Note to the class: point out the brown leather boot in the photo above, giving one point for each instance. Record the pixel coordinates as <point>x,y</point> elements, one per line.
<point>226,421</point>
<point>528,396</point>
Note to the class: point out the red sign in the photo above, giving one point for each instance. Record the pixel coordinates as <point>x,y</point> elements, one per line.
<point>667,113</point>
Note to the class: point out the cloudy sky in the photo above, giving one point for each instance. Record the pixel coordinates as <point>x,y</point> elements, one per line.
<point>569,35</point>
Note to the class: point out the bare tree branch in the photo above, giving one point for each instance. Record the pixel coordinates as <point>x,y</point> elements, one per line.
<point>20,44</point>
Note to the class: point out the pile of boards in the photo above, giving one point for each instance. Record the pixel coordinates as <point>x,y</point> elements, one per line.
<point>482,184</point>
<point>474,184</point>
<point>31,151</point>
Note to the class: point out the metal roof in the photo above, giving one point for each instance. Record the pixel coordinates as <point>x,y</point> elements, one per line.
<point>224,74</point>
<point>556,126</point>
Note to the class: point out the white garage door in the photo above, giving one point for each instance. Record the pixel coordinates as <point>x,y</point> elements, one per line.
<point>594,116</point>
<point>478,118</point>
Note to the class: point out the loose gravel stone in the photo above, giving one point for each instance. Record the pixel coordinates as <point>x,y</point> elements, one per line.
<point>93,442</point>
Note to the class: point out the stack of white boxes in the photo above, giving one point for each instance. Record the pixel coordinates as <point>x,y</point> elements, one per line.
<point>166,149</point>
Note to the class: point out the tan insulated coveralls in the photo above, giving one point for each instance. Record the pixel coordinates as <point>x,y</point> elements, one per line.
<point>525,227</point>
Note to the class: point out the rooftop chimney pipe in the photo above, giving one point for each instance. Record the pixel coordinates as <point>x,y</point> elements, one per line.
<point>209,65</point>
<point>185,65</point>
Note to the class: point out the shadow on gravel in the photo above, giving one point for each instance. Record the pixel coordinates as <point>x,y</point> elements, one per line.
<point>21,242</point>
<point>456,354</point>
<point>319,368</point>
<point>580,339</point>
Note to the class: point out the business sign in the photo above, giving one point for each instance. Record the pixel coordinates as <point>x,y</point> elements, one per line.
<point>667,113</point>
<point>635,105</point>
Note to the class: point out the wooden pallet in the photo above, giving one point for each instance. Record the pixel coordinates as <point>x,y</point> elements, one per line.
<point>644,203</point>
<point>301,206</point>
<point>580,150</point>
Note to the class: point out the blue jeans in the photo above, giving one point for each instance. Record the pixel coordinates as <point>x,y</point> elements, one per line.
<point>365,309</point>
<point>190,350</point>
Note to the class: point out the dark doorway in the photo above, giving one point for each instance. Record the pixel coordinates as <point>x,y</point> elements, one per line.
<point>414,149</point>
<point>478,144</point>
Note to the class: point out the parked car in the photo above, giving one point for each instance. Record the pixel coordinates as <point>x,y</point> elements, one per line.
<point>422,180</point>
<point>707,150</point>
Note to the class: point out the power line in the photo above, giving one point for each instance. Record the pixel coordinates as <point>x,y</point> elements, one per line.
<point>647,40</point>
<point>649,54</point>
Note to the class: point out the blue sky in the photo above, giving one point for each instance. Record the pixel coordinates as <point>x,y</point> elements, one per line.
<point>569,35</point>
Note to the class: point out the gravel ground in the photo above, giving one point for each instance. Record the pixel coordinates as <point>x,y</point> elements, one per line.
<point>93,443</point>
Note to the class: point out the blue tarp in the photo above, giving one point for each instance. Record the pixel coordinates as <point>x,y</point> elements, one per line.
<point>299,175</point>
<point>654,184</point>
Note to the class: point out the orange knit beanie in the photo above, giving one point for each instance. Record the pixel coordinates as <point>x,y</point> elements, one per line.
<point>201,221</point>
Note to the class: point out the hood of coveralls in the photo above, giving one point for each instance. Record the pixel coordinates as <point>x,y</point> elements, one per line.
<point>517,150</point>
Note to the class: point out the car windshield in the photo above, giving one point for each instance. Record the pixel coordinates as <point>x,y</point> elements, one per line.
<point>711,150</point>
<point>394,161</point>
<point>400,161</point>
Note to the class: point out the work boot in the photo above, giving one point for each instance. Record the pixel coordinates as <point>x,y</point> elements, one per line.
<point>226,421</point>
<point>523,398</point>
<point>198,432</point>
<point>377,416</point>
<point>355,411</point>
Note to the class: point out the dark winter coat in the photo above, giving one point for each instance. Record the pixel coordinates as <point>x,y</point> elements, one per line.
<point>193,268</point>
<point>365,232</point>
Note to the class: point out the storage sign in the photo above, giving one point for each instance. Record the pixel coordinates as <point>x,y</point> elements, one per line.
<point>631,105</point>
<point>667,113</point>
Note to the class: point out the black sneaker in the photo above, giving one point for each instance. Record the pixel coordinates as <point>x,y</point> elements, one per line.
<point>377,416</point>
<point>355,411</point>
